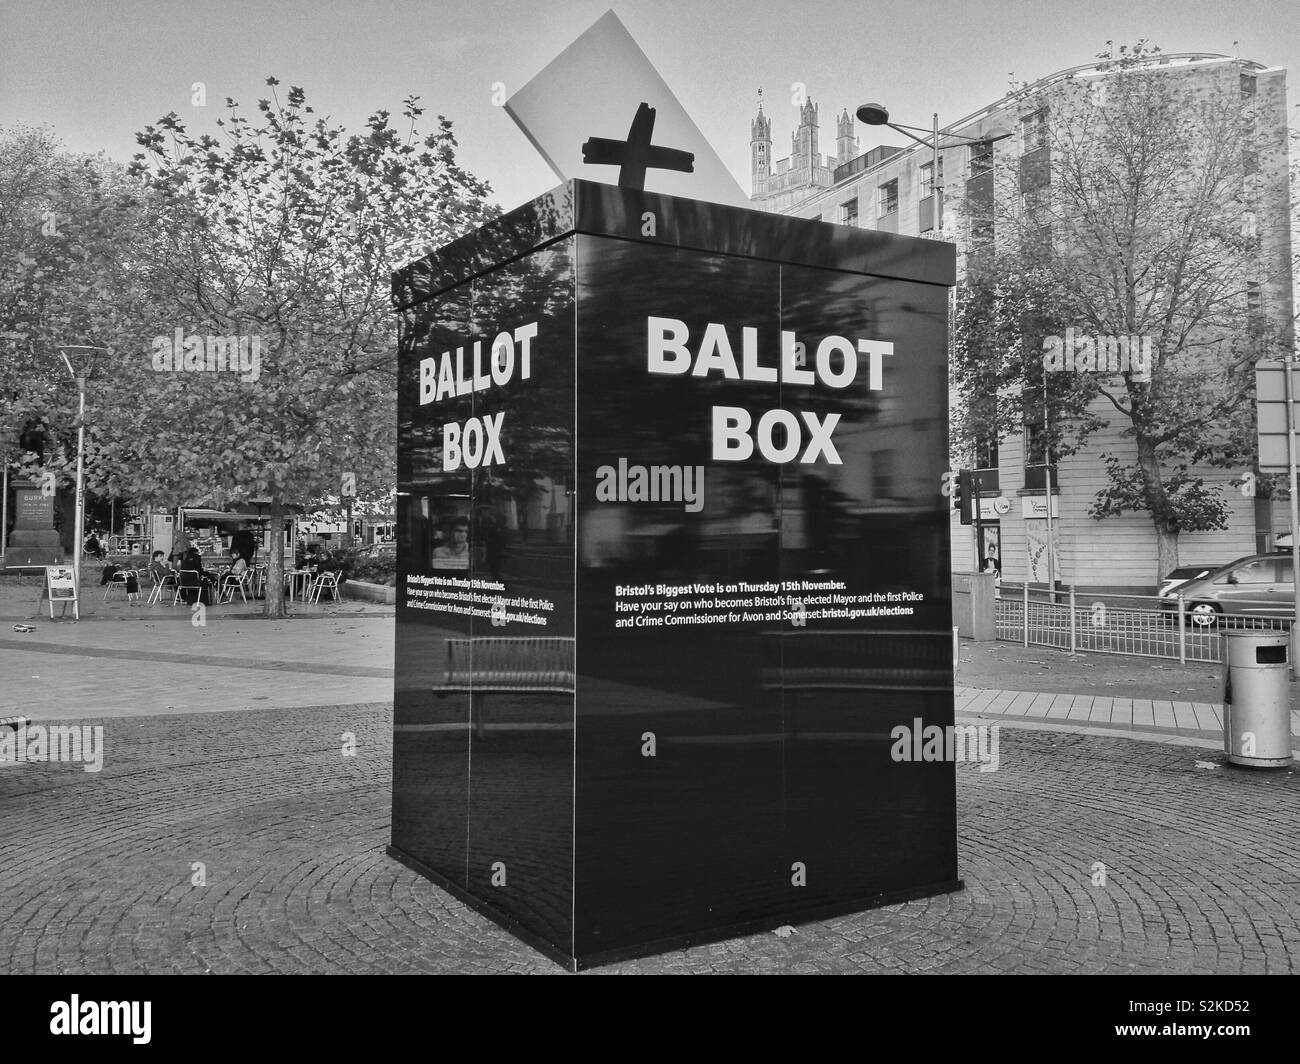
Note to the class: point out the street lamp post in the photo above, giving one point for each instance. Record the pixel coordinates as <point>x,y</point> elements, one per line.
<point>877,114</point>
<point>85,366</point>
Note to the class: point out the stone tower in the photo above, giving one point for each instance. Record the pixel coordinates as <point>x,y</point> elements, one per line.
<point>846,144</point>
<point>803,142</point>
<point>760,151</point>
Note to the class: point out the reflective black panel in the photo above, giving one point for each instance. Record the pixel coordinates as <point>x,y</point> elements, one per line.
<point>868,540</point>
<point>483,745</point>
<point>682,840</point>
<point>522,531</point>
<point>430,730</point>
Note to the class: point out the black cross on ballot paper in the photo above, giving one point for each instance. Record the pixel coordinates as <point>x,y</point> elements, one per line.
<point>636,154</point>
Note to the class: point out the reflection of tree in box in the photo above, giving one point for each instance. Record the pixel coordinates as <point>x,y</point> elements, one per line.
<point>528,497</point>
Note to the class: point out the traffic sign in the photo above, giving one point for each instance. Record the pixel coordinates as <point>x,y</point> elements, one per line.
<point>1270,400</point>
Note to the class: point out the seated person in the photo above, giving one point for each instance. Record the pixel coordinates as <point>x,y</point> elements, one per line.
<point>315,559</point>
<point>192,562</point>
<point>234,576</point>
<point>159,568</point>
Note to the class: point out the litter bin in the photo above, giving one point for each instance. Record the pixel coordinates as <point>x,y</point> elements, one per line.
<point>1257,698</point>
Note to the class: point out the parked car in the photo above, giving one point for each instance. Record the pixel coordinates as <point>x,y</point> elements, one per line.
<point>1256,586</point>
<point>382,550</point>
<point>1177,577</point>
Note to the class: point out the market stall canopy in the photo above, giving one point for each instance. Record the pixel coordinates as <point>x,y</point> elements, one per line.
<point>199,516</point>
<point>261,509</point>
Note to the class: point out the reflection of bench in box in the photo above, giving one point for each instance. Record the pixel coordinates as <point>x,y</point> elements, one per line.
<point>845,661</point>
<point>17,723</point>
<point>523,665</point>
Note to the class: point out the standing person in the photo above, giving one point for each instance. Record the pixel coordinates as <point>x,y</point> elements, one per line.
<point>181,544</point>
<point>244,545</point>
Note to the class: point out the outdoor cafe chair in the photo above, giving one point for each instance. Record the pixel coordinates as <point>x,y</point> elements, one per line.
<point>188,580</point>
<point>122,579</point>
<point>160,583</point>
<point>324,580</point>
<point>232,582</point>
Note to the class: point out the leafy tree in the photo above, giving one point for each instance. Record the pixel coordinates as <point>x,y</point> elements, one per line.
<point>1135,217</point>
<point>68,229</point>
<point>275,242</point>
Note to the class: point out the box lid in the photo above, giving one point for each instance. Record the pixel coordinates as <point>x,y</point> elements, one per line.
<point>622,213</point>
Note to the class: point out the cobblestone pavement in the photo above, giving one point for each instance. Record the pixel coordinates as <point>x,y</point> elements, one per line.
<point>64,670</point>
<point>97,870</point>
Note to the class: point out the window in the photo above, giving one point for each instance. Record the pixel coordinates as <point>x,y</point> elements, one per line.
<point>1033,131</point>
<point>986,452</point>
<point>1261,572</point>
<point>1250,161</point>
<point>1254,298</point>
<point>927,178</point>
<point>1037,451</point>
<point>1036,205</point>
<point>981,159</point>
<point>1248,84</point>
<point>1036,442</point>
<point>888,194</point>
<point>849,212</point>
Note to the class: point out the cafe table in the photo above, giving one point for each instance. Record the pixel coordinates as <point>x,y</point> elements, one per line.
<point>292,577</point>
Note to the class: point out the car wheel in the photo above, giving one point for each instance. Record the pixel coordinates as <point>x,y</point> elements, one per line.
<point>1204,615</point>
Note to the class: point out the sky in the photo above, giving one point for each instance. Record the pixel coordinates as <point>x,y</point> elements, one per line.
<point>97,72</point>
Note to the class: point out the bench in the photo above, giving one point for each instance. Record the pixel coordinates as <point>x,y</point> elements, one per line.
<point>844,661</point>
<point>859,660</point>
<point>524,665</point>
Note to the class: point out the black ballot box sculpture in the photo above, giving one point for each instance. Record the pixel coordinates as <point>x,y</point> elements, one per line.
<point>674,604</point>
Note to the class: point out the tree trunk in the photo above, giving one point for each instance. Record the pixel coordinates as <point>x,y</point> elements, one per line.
<point>1158,504</point>
<point>1166,552</point>
<point>275,563</point>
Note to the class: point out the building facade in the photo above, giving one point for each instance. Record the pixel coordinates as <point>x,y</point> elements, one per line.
<point>897,190</point>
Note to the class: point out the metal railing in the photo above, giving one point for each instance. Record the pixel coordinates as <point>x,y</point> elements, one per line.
<point>1140,625</point>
